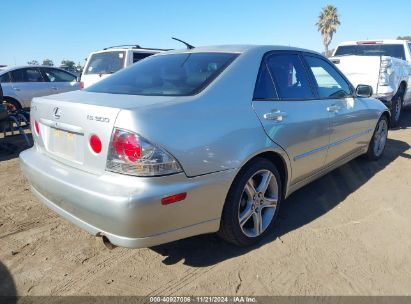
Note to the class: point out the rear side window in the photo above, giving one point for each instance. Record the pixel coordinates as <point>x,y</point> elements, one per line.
<point>264,88</point>
<point>166,75</point>
<point>139,56</point>
<point>105,63</point>
<point>5,78</point>
<point>290,77</point>
<point>26,75</point>
<point>330,83</point>
<point>54,75</point>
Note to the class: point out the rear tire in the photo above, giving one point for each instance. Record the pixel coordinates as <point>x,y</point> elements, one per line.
<point>11,104</point>
<point>396,109</point>
<point>378,140</point>
<point>252,204</point>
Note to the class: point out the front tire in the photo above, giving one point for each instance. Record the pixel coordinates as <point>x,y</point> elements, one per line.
<point>252,204</point>
<point>378,140</point>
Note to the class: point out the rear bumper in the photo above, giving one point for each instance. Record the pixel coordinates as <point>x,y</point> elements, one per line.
<point>125,209</point>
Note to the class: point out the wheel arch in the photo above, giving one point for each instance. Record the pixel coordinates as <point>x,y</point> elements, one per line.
<point>387,114</point>
<point>279,160</point>
<point>403,86</point>
<point>10,98</point>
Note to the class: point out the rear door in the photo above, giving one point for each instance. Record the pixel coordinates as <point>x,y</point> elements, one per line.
<point>60,81</point>
<point>350,120</point>
<point>27,84</point>
<point>291,114</point>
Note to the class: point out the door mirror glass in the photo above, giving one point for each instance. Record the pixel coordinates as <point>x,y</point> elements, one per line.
<point>363,90</point>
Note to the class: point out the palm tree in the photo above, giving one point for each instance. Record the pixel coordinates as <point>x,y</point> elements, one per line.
<point>327,24</point>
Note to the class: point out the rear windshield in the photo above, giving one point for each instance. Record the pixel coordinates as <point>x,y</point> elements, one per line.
<point>166,75</point>
<point>105,63</point>
<point>392,50</point>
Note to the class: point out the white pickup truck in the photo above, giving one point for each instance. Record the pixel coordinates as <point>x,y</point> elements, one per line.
<point>385,65</point>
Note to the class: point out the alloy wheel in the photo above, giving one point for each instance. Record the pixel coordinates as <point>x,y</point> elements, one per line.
<point>258,203</point>
<point>380,137</point>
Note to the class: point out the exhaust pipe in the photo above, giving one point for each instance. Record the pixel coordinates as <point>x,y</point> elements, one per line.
<point>107,243</point>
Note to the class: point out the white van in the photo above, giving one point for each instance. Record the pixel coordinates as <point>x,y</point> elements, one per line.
<point>103,63</point>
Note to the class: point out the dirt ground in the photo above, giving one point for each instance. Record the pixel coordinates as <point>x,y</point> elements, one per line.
<point>348,233</point>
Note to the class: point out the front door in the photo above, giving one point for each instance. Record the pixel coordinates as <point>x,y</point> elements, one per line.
<point>350,126</point>
<point>27,84</point>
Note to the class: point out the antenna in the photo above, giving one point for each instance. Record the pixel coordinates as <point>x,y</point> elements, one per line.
<point>189,46</point>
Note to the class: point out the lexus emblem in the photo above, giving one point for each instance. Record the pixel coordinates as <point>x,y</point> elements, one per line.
<point>57,112</point>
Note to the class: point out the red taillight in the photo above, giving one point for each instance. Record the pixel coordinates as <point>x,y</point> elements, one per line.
<point>127,146</point>
<point>37,127</point>
<point>95,143</point>
<point>173,198</point>
<point>81,85</point>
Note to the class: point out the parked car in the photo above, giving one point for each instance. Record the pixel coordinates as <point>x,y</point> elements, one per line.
<point>198,141</point>
<point>72,70</point>
<point>385,65</point>
<point>103,63</point>
<point>22,84</point>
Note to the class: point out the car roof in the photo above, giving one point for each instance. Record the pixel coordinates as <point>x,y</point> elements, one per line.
<point>9,69</point>
<point>377,41</point>
<point>135,50</point>
<point>239,48</point>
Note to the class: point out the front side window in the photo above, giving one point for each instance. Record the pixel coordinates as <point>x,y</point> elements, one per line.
<point>166,75</point>
<point>26,75</point>
<point>289,76</point>
<point>54,75</point>
<point>5,78</point>
<point>105,63</point>
<point>330,84</point>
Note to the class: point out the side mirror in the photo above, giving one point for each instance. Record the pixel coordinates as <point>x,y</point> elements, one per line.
<point>363,90</point>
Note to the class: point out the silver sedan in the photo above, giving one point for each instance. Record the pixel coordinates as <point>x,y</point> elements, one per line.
<point>22,84</point>
<point>187,142</point>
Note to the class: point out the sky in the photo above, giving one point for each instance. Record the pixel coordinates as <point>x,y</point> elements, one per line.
<point>71,29</point>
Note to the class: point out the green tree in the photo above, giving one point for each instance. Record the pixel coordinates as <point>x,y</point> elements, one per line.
<point>33,62</point>
<point>404,37</point>
<point>48,62</point>
<point>69,64</point>
<point>327,24</point>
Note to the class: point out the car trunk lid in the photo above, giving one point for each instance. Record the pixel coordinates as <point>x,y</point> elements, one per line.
<point>67,121</point>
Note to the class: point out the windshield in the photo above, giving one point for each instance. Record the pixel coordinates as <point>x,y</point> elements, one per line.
<point>166,75</point>
<point>105,63</point>
<point>392,50</point>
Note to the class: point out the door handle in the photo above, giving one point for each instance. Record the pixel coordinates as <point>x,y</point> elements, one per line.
<point>275,115</point>
<point>54,88</point>
<point>16,89</point>
<point>333,109</point>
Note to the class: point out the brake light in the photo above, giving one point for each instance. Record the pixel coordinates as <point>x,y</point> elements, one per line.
<point>129,153</point>
<point>369,42</point>
<point>37,127</point>
<point>95,143</point>
<point>81,85</point>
